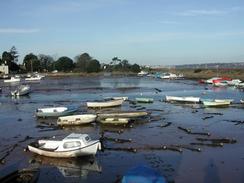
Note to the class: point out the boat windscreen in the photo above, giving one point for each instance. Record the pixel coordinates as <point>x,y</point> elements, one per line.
<point>71,144</point>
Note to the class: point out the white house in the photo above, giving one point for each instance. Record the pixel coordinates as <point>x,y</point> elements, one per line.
<point>4,69</point>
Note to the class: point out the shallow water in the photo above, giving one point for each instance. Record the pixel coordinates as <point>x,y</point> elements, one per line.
<point>212,164</point>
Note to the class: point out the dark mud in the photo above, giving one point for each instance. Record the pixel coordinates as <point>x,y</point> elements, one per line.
<point>185,143</point>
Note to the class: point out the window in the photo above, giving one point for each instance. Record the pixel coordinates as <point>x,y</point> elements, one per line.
<point>87,138</point>
<point>71,144</point>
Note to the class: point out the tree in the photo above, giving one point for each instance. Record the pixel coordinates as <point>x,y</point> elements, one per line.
<point>135,68</point>
<point>31,63</point>
<point>93,66</point>
<point>64,64</point>
<point>14,54</point>
<point>46,62</point>
<point>7,58</point>
<point>82,61</point>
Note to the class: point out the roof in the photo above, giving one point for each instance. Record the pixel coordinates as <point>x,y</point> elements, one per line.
<point>76,136</point>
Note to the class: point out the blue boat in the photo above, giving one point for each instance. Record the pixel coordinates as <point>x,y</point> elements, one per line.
<point>143,174</point>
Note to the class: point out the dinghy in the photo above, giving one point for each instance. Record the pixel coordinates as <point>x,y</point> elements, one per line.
<point>74,145</point>
<point>216,103</point>
<point>123,114</point>
<point>76,119</point>
<point>242,101</point>
<point>115,121</point>
<point>182,99</point>
<point>21,90</point>
<point>144,100</point>
<point>110,103</point>
<point>55,111</point>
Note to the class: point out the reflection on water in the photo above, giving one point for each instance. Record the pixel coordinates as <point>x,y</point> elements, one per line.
<point>69,168</point>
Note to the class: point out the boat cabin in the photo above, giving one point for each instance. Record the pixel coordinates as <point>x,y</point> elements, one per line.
<point>71,142</point>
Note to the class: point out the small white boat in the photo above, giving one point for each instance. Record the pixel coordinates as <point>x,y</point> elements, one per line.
<point>110,103</point>
<point>21,90</point>
<point>123,114</point>
<point>74,145</point>
<point>240,85</point>
<point>76,119</point>
<point>234,82</point>
<point>11,80</point>
<point>33,78</point>
<point>242,101</point>
<point>115,121</point>
<point>142,73</point>
<point>168,76</point>
<point>217,103</point>
<point>144,100</point>
<point>182,99</point>
<point>55,111</point>
<point>119,98</point>
<point>221,83</point>
<point>211,80</point>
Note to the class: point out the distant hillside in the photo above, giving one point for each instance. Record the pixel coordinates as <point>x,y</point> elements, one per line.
<point>237,65</point>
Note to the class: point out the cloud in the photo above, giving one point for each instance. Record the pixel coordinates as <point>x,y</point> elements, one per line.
<point>201,12</point>
<point>18,30</point>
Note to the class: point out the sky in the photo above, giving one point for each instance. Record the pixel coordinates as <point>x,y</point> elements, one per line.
<point>147,32</point>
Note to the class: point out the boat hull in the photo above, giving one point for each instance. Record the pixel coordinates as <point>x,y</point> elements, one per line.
<point>76,119</point>
<point>55,114</point>
<point>91,149</point>
<point>135,114</point>
<point>114,121</point>
<point>183,99</point>
<point>216,104</point>
<point>144,100</point>
<point>112,103</point>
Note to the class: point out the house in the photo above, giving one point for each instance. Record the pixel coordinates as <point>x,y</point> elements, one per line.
<point>4,69</point>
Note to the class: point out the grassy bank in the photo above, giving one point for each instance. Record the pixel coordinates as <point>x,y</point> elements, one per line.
<point>83,74</point>
<point>208,73</point>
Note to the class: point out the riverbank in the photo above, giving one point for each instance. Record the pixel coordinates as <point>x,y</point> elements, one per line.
<point>83,74</point>
<point>197,74</point>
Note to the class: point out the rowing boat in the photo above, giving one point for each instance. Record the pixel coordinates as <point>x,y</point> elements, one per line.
<point>123,114</point>
<point>110,103</point>
<point>55,111</point>
<point>144,100</point>
<point>76,119</point>
<point>115,121</point>
<point>182,99</point>
<point>216,103</point>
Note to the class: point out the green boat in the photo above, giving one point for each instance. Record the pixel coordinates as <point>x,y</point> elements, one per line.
<point>144,100</point>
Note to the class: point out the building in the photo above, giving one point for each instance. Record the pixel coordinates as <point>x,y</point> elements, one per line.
<point>4,69</point>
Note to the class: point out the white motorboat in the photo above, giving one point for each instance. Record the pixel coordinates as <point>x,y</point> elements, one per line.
<point>21,90</point>
<point>110,103</point>
<point>74,145</point>
<point>12,80</point>
<point>182,99</point>
<point>76,119</point>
